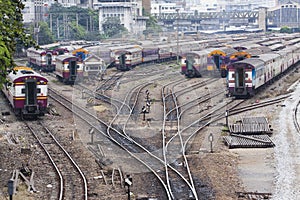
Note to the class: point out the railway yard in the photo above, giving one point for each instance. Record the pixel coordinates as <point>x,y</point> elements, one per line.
<point>156,133</point>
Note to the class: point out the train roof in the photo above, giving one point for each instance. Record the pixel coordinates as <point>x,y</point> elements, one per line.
<point>80,50</point>
<point>289,48</point>
<point>240,54</point>
<point>292,41</point>
<point>129,50</point>
<point>199,53</point>
<point>38,51</point>
<point>268,56</point>
<point>257,61</point>
<point>276,47</point>
<point>253,62</point>
<point>19,75</point>
<point>65,57</point>
<point>224,51</point>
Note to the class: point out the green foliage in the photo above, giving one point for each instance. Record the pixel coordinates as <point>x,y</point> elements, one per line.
<point>44,36</point>
<point>77,31</point>
<point>112,27</point>
<point>5,60</point>
<point>285,29</point>
<point>12,32</point>
<point>151,24</point>
<point>65,20</point>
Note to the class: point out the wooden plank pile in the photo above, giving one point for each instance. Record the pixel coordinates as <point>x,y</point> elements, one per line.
<point>253,195</point>
<point>249,133</point>
<point>254,125</point>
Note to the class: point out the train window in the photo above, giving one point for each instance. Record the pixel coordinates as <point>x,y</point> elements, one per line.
<point>232,75</point>
<point>246,75</point>
<point>23,90</point>
<point>38,90</point>
<point>77,66</point>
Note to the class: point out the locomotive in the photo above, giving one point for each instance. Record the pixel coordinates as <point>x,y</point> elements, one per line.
<point>246,77</point>
<point>26,91</point>
<point>69,68</point>
<point>41,59</point>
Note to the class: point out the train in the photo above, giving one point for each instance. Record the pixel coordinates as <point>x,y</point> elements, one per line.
<point>44,59</point>
<point>69,68</point>
<point>127,58</point>
<point>27,92</point>
<point>41,59</point>
<point>217,58</point>
<point>246,77</point>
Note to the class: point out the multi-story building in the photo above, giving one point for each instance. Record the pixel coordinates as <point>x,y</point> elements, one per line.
<point>246,5</point>
<point>286,15</point>
<point>129,13</point>
<point>163,8</point>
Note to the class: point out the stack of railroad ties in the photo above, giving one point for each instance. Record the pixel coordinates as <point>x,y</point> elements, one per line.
<point>251,132</point>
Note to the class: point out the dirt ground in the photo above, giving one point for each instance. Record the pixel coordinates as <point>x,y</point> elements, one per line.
<point>224,171</point>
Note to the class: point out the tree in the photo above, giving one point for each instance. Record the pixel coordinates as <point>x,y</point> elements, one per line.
<point>12,32</point>
<point>285,29</point>
<point>151,24</point>
<point>65,20</point>
<point>44,35</point>
<point>78,31</point>
<point>112,27</point>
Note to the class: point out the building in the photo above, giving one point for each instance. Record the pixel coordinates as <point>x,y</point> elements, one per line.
<point>159,8</point>
<point>285,15</point>
<point>129,13</point>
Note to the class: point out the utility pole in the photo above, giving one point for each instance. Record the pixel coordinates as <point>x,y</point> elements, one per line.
<point>177,11</point>
<point>37,18</point>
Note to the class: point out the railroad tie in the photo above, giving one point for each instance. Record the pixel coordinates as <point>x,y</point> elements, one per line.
<point>102,173</point>
<point>29,183</point>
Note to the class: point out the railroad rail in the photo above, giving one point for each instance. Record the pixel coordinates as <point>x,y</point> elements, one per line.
<point>110,82</point>
<point>295,118</point>
<point>72,181</point>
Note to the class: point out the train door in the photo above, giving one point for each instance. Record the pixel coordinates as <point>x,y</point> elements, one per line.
<point>73,68</point>
<point>239,77</point>
<point>122,60</point>
<point>190,61</point>
<point>31,93</point>
<point>30,96</point>
<point>217,61</point>
<point>48,59</point>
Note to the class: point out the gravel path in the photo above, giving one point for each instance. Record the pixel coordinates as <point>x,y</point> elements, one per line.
<point>287,151</point>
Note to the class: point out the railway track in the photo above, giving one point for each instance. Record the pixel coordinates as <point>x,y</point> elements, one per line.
<point>295,117</point>
<point>149,160</point>
<point>72,183</point>
<point>180,184</point>
<point>177,170</point>
<point>111,82</point>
